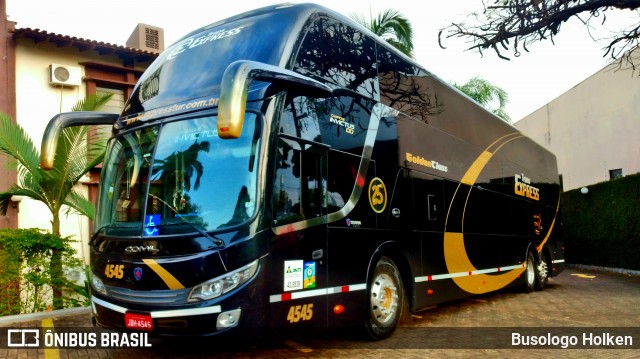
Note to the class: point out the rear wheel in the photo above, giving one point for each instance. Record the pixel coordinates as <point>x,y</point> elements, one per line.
<point>530,274</point>
<point>385,300</point>
<point>542,272</point>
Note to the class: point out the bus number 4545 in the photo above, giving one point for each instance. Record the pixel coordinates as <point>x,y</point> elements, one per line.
<point>300,312</point>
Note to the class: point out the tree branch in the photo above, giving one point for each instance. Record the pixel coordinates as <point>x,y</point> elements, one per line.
<point>528,21</point>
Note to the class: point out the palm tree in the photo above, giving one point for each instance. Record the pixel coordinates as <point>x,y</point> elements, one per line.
<point>75,156</point>
<point>486,94</point>
<point>391,26</point>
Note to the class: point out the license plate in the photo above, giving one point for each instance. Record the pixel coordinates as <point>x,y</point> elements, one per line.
<point>138,321</point>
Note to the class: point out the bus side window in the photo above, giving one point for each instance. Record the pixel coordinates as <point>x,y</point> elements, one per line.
<point>297,194</point>
<point>339,54</point>
<point>342,175</point>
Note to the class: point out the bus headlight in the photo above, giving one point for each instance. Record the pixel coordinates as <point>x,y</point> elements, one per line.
<point>97,284</point>
<point>217,286</point>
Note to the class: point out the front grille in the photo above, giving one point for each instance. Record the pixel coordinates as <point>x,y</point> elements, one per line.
<point>149,297</point>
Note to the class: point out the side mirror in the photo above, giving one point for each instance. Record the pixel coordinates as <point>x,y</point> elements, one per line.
<point>235,87</point>
<point>68,119</point>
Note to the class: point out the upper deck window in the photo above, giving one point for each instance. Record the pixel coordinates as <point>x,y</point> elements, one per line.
<point>193,67</point>
<point>337,53</point>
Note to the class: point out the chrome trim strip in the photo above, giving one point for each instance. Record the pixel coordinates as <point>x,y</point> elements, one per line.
<point>115,308</point>
<point>377,112</point>
<point>186,312</point>
<point>160,313</point>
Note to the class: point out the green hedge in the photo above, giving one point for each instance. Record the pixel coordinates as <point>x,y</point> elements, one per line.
<point>25,272</point>
<point>602,227</point>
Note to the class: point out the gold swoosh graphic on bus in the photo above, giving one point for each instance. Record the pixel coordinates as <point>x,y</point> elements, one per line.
<point>455,253</point>
<point>539,248</point>
<point>168,279</point>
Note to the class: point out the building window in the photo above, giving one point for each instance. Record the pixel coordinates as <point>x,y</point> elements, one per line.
<point>617,173</point>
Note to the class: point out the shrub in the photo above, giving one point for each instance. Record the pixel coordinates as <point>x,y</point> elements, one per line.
<point>25,271</point>
<point>602,228</point>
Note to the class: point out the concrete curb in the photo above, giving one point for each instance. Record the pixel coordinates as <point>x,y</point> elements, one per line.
<point>605,269</point>
<point>21,318</point>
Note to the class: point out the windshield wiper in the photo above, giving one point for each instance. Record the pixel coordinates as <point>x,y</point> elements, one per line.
<point>217,241</point>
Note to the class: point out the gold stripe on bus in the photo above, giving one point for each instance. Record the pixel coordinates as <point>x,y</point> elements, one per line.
<point>458,261</point>
<point>472,174</point>
<point>168,279</point>
<point>455,253</point>
<point>553,222</point>
<point>478,165</point>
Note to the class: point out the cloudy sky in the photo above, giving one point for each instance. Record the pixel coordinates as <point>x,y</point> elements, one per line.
<point>531,80</point>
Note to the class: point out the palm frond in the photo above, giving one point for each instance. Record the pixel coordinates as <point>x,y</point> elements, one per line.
<point>78,204</point>
<point>76,153</point>
<point>360,19</point>
<point>484,93</point>
<point>15,143</point>
<point>92,102</point>
<point>500,112</point>
<point>71,161</point>
<point>14,190</point>
<point>31,186</point>
<point>391,26</point>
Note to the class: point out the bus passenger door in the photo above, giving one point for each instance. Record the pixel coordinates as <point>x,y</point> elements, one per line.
<point>299,256</point>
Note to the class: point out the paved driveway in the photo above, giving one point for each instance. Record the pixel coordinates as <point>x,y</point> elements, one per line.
<point>601,307</point>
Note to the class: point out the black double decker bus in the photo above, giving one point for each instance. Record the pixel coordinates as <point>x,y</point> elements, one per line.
<point>286,168</point>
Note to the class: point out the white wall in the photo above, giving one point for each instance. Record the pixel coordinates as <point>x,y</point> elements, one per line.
<point>36,103</point>
<point>592,128</point>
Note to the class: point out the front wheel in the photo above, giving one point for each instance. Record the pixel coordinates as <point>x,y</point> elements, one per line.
<point>385,301</point>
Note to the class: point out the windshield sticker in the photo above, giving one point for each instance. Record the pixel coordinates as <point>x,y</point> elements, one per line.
<point>309,280</point>
<point>193,42</point>
<point>293,271</point>
<point>151,221</point>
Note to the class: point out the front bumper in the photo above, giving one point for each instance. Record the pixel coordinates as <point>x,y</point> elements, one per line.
<point>198,321</point>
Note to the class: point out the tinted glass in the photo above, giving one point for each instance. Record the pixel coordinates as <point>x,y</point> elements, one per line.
<point>341,55</point>
<point>194,179</point>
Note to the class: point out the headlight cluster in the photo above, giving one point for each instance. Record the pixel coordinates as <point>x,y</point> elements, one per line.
<point>217,286</point>
<point>97,284</point>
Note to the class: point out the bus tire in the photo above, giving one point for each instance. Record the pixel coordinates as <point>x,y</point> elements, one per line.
<point>385,300</point>
<point>529,274</point>
<point>542,272</point>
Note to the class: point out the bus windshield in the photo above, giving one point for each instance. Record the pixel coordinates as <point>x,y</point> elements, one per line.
<point>179,177</point>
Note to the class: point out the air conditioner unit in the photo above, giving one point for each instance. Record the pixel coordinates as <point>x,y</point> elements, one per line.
<point>64,75</point>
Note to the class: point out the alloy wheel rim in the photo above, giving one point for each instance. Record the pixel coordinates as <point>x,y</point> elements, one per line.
<point>384,298</point>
